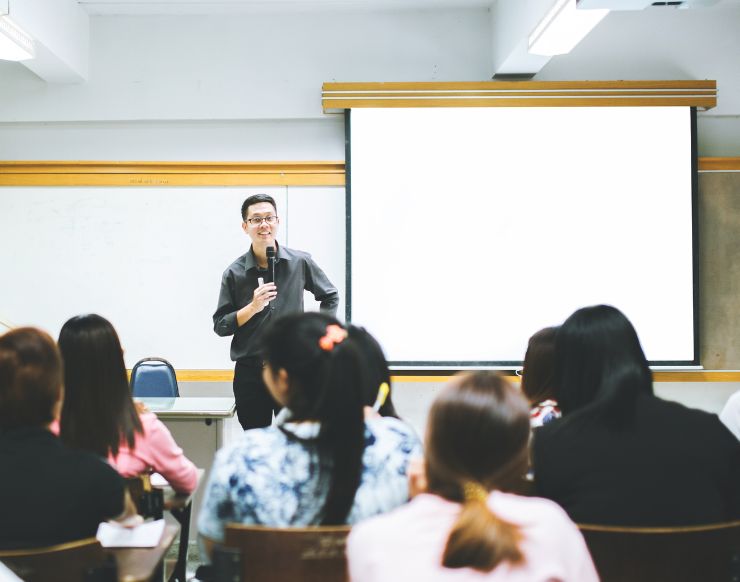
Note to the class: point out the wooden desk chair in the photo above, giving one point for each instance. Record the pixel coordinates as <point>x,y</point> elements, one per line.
<point>68,562</point>
<point>709,553</point>
<point>311,554</point>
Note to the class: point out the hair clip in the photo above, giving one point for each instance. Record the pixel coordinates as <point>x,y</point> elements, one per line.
<point>334,335</point>
<point>474,491</point>
<point>383,392</point>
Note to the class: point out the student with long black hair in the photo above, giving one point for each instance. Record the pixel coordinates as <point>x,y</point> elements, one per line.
<point>99,415</point>
<point>321,462</point>
<point>620,455</point>
<point>462,526</point>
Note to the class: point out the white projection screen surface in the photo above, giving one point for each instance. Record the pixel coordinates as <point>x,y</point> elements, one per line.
<point>472,228</point>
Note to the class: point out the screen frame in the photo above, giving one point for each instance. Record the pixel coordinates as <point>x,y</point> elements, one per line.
<point>441,366</point>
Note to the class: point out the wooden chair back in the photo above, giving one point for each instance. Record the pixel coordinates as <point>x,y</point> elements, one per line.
<point>311,554</point>
<point>68,562</point>
<point>710,553</point>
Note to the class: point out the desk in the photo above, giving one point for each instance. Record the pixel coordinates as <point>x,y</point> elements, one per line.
<point>182,407</point>
<point>70,560</point>
<point>180,506</point>
<point>201,426</point>
<point>141,564</point>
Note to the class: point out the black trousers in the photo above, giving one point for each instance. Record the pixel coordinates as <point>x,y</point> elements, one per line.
<point>254,405</point>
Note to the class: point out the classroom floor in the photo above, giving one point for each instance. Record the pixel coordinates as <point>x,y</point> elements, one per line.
<point>193,559</point>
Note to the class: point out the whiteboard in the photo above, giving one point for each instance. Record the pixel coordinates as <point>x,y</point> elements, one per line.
<point>473,228</point>
<point>148,259</point>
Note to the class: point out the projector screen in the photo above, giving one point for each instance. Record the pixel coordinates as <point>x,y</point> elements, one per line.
<point>472,228</point>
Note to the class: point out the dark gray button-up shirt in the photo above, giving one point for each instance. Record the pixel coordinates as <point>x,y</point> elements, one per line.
<point>294,272</point>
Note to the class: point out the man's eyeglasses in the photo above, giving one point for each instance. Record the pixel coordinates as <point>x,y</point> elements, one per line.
<point>256,221</point>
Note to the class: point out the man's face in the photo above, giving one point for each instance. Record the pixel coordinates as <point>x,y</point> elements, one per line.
<point>260,231</point>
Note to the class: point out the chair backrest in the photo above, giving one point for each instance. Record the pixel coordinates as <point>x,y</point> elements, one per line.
<point>710,553</point>
<point>154,377</point>
<point>149,500</point>
<point>311,554</point>
<point>68,562</point>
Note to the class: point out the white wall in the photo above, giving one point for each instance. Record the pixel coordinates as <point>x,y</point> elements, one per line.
<point>229,87</point>
<point>247,86</point>
<point>187,140</point>
<point>248,66</point>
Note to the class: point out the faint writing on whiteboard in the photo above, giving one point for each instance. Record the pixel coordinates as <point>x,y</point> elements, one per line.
<point>148,181</point>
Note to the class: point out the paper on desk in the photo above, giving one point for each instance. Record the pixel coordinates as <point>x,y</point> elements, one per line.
<point>146,535</point>
<point>158,481</point>
<point>7,575</point>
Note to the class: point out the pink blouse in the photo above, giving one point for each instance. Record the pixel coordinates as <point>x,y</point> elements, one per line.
<point>154,451</point>
<point>408,543</point>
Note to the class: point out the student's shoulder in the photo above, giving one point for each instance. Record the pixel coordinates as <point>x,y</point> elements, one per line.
<point>382,525</point>
<point>683,418</point>
<point>87,466</point>
<point>253,444</point>
<point>152,426</point>
<point>392,436</point>
<point>520,508</point>
<point>388,426</point>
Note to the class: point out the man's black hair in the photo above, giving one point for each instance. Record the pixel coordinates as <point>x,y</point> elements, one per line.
<point>256,199</point>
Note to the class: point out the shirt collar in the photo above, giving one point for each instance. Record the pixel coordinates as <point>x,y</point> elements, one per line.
<point>308,429</point>
<point>250,262</point>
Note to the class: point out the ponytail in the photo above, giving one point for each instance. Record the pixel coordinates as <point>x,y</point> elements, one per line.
<point>473,411</point>
<point>342,435</point>
<point>480,539</point>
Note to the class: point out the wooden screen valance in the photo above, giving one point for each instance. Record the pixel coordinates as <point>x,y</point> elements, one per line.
<point>106,173</point>
<point>336,97</point>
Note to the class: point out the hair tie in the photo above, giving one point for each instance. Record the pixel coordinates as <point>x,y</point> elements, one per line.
<point>334,335</point>
<point>474,491</point>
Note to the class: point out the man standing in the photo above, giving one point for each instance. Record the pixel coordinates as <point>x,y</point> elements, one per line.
<point>248,301</point>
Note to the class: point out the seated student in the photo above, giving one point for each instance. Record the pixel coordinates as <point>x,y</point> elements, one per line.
<point>537,377</point>
<point>51,494</point>
<point>99,414</point>
<point>463,527</point>
<point>620,455</point>
<point>321,463</point>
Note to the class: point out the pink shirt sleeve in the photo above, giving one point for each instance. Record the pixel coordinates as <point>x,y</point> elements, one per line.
<point>158,450</point>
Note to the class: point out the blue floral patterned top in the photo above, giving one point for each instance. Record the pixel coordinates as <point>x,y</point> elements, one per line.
<point>268,478</point>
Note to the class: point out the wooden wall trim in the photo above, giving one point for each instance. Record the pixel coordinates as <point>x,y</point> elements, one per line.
<point>336,97</point>
<point>719,164</point>
<point>658,376</point>
<point>132,174</point>
<point>144,174</point>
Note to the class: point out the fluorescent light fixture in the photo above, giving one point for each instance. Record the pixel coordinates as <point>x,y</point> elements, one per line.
<point>562,28</point>
<point>15,43</point>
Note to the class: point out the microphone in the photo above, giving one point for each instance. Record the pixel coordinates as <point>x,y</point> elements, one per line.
<point>270,265</point>
<point>271,270</point>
